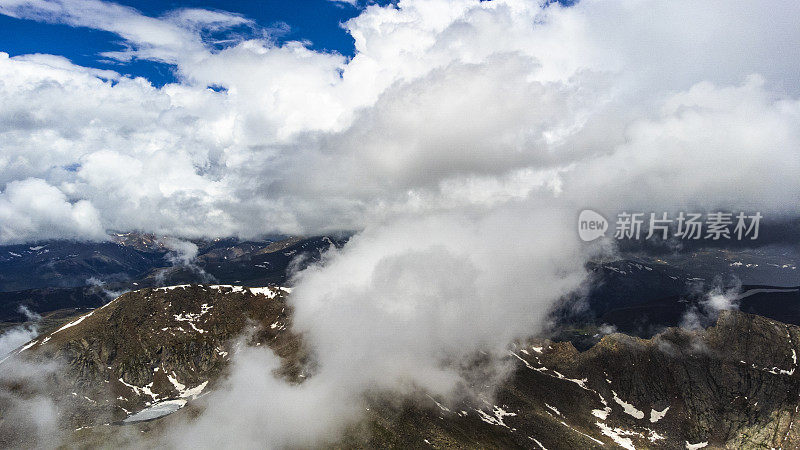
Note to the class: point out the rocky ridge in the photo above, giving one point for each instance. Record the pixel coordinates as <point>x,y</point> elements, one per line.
<point>732,385</point>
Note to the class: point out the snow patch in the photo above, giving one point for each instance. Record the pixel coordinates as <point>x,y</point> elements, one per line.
<point>601,414</point>
<point>265,291</point>
<point>73,323</point>
<point>191,318</point>
<point>617,435</point>
<point>581,433</point>
<point>195,391</point>
<point>175,383</point>
<point>527,364</point>
<point>538,443</point>
<point>156,410</point>
<point>227,286</point>
<point>653,436</point>
<point>28,345</point>
<point>141,390</point>
<point>628,408</point>
<point>655,416</point>
<point>442,407</point>
<point>169,288</point>
<point>553,408</point>
<point>497,418</point>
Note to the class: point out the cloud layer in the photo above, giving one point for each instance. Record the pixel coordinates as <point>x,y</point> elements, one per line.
<point>445,105</point>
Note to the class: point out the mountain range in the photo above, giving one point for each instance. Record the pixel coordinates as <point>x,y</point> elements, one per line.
<point>145,360</point>
<point>135,348</point>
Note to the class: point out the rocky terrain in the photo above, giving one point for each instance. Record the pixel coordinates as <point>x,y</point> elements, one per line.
<point>148,350</point>
<point>152,352</point>
<point>733,385</point>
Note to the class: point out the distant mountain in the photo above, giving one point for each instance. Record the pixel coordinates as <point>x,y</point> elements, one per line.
<point>64,275</point>
<point>643,294</point>
<point>768,265</point>
<point>65,264</point>
<point>248,263</point>
<point>48,300</point>
<point>153,351</point>
<point>639,293</point>
<point>133,259</point>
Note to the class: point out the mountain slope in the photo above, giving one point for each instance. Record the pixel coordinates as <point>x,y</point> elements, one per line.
<point>151,347</point>
<point>732,385</point>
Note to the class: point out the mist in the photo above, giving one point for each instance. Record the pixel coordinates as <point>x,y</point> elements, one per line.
<point>15,336</point>
<point>181,256</point>
<point>397,310</point>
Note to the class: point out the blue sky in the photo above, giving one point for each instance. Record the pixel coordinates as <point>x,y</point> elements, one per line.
<point>317,21</point>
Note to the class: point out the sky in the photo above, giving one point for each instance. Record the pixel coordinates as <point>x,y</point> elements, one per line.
<point>459,139</point>
<point>316,21</point>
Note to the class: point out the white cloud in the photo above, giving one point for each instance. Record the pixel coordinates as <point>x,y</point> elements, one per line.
<point>345,2</point>
<point>166,39</point>
<point>14,337</point>
<point>705,313</point>
<point>31,209</point>
<point>706,147</point>
<point>441,96</point>
<point>393,311</point>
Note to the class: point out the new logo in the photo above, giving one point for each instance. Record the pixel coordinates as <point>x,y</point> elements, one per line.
<point>591,225</point>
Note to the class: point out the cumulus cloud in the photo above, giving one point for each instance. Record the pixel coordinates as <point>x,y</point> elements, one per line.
<point>440,100</point>
<point>32,209</point>
<point>100,284</point>
<point>707,147</point>
<point>168,38</point>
